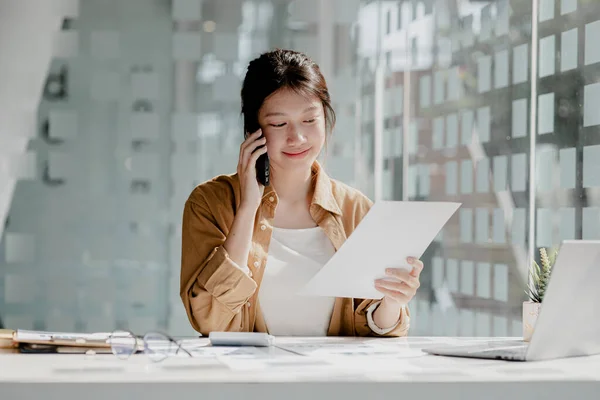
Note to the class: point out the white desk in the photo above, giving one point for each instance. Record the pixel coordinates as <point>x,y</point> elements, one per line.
<point>403,372</point>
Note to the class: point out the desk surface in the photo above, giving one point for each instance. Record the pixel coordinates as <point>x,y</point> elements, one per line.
<point>318,367</point>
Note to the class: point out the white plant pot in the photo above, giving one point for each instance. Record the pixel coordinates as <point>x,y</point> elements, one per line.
<point>531,311</point>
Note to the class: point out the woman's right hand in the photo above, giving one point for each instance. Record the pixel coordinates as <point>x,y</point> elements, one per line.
<point>252,190</point>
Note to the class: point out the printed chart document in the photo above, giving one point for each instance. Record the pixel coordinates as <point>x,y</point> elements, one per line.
<point>389,233</point>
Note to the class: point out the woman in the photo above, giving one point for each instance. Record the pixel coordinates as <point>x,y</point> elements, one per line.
<point>248,248</point>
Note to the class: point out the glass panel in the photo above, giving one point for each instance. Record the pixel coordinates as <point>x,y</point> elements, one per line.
<point>547,58</point>
<point>393,88</point>
<point>141,105</point>
<point>490,155</point>
<point>568,53</point>
<point>567,150</point>
<point>567,6</point>
<point>521,63</point>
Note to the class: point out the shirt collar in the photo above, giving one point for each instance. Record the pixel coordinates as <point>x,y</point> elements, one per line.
<point>322,195</point>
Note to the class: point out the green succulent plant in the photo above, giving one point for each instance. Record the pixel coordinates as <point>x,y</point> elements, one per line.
<point>540,276</point>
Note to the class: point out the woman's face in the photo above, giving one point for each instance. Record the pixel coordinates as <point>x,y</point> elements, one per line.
<point>294,127</point>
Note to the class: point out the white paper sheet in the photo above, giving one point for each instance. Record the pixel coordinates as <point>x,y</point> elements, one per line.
<point>43,336</point>
<point>389,233</point>
<point>221,351</point>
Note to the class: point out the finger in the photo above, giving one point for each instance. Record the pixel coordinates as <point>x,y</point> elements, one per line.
<point>250,139</point>
<point>256,133</point>
<point>252,149</point>
<point>252,162</point>
<point>250,142</point>
<point>403,276</point>
<point>416,264</point>
<point>395,286</point>
<point>394,295</point>
<point>412,282</point>
<point>398,273</point>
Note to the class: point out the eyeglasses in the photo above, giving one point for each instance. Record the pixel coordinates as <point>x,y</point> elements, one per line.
<point>157,346</point>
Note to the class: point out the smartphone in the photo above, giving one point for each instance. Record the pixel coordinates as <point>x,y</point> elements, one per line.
<point>263,172</point>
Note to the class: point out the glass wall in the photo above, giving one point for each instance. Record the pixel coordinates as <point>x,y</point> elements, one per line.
<point>468,133</point>
<point>567,136</point>
<point>141,104</point>
<point>477,102</point>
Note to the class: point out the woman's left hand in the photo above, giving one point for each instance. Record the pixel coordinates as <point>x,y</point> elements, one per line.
<point>402,285</point>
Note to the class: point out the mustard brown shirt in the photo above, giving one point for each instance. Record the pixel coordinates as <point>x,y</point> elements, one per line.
<point>220,296</point>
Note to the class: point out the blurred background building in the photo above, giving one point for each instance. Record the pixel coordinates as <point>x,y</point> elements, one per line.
<point>111,111</point>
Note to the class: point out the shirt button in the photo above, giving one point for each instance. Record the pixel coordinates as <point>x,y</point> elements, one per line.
<point>263,227</point>
<point>248,304</point>
<point>250,274</point>
<point>256,264</point>
<point>271,199</point>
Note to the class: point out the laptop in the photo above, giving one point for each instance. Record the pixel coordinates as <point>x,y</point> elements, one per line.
<point>569,321</point>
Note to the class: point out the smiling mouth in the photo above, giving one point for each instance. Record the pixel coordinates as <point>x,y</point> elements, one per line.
<point>296,154</point>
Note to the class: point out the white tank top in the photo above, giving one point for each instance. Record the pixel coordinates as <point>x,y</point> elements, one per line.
<point>295,256</point>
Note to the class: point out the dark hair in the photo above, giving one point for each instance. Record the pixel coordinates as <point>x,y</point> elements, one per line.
<point>280,69</point>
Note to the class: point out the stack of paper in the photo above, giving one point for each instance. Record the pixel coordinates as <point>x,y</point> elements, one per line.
<point>61,342</point>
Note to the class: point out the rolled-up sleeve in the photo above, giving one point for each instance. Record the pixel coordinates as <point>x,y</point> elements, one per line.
<point>363,328</point>
<point>214,288</point>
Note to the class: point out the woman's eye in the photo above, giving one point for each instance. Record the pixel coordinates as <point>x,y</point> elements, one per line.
<point>278,125</point>
<point>310,120</point>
